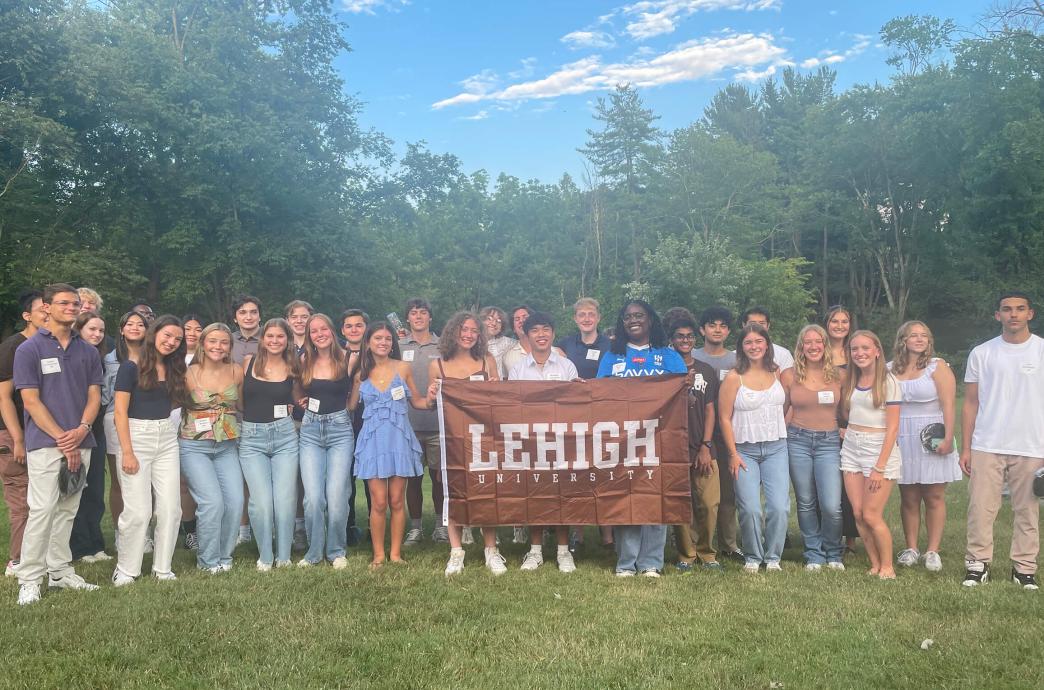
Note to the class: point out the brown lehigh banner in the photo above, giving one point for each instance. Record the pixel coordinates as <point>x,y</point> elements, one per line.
<point>610,451</point>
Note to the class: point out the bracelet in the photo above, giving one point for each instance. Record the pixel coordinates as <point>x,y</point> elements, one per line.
<point>879,471</point>
<point>85,425</point>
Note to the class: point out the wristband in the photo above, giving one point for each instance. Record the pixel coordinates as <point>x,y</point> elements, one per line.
<point>85,425</point>
<point>879,471</point>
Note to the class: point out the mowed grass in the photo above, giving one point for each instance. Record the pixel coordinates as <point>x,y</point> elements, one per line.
<point>410,627</point>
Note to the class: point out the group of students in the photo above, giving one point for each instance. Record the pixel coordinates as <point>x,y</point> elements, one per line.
<point>284,416</point>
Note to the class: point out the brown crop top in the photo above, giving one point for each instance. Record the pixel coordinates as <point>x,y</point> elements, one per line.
<point>815,410</point>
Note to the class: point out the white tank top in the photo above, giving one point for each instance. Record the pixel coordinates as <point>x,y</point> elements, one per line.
<point>758,415</point>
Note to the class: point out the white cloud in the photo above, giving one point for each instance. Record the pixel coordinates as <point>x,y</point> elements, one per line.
<point>578,40</point>
<point>747,54</point>
<point>371,6</point>
<point>832,57</point>
<point>528,67</point>
<point>650,18</point>
<point>480,115</point>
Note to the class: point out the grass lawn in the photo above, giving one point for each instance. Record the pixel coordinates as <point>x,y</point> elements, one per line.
<point>408,626</point>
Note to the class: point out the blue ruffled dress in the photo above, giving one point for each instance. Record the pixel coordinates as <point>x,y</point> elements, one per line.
<point>387,446</point>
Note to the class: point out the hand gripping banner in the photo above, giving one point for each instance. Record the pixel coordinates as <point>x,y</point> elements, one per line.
<point>610,451</point>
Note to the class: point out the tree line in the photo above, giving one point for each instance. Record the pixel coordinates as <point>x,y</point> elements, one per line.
<point>185,152</point>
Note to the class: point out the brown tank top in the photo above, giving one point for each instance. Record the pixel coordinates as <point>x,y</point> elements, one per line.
<point>813,412</point>
<point>481,372</point>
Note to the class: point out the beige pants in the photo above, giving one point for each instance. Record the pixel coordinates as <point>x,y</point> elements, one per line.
<point>988,472</point>
<point>694,541</point>
<point>45,545</point>
<point>727,524</point>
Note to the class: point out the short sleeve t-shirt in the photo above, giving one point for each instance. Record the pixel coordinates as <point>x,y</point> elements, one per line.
<point>703,391</point>
<point>721,363</point>
<point>63,377</point>
<point>420,357</point>
<point>862,412</point>
<point>144,404</point>
<point>7,356</point>
<point>556,368</point>
<point>782,357</point>
<point>584,357</point>
<point>1010,377</point>
<point>642,361</point>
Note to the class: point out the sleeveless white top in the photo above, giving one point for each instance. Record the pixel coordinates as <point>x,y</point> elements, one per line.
<point>758,415</point>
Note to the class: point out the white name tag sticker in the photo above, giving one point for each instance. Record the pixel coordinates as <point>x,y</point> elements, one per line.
<point>313,404</point>
<point>1026,367</point>
<point>619,368</point>
<point>826,397</point>
<point>750,395</point>
<point>203,424</point>
<point>408,355</point>
<point>722,373</point>
<point>593,354</point>
<point>398,393</point>
<point>280,411</point>
<point>50,365</point>
<point>476,377</point>
<point>554,377</point>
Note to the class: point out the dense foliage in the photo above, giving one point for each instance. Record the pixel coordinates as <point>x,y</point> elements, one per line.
<point>184,152</point>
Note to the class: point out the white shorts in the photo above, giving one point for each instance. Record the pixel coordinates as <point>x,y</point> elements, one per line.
<point>112,439</point>
<point>861,450</point>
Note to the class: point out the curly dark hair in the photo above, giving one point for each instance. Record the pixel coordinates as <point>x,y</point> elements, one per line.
<point>657,336</point>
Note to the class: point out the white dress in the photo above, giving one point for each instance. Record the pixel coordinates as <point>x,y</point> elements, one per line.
<point>920,407</point>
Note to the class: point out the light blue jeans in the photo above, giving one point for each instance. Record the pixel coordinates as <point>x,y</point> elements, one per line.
<point>815,470</point>
<point>763,531</point>
<point>327,448</point>
<point>639,547</point>
<point>215,481</point>
<point>268,454</point>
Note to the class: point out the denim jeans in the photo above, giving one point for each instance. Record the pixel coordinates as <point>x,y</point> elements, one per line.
<point>763,531</point>
<point>639,547</point>
<point>815,470</point>
<point>215,481</point>
<point>326,451</point>
<point>268,455</point>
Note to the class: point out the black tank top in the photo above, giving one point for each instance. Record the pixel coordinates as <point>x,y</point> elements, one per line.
<point>331,394</point>
<point>261,397</point>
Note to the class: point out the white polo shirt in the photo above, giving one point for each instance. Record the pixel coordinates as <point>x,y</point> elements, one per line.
<point>556,368</point>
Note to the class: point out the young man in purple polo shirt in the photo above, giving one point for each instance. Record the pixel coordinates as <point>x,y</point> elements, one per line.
<point>59,377</point>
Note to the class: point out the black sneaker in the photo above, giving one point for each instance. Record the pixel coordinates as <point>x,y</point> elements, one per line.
<point>736,556</point>
<point>1024,580</point>
<point>973,578</point>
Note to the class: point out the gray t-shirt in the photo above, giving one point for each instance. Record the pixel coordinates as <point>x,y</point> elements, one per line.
<point>420,358</point>
<point>721,363</point>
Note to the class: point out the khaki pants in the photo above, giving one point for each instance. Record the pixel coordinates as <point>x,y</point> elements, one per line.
<point>695,541</point>
<point>727,524</point>
<point>16,489</point>
<point>988,472</point>
<point>45,546</point>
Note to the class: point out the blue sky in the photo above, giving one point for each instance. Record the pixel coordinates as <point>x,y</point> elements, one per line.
<point>510,86</point>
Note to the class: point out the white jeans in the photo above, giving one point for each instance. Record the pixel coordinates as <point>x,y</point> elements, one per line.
<point>155,444</point>
<point>45,546</point>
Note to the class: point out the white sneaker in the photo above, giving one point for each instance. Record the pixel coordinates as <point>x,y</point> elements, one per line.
<point>455,565</point>
<point>908,557</point>
<point>28,594</point>
<point>467,537</point>
<point>263,567</point>
<point>520,535</point>
<point>932,561</point>
<point>532,560</point>
<point>812,567</point>
<point>565,562</point>
<point>413,537</point>
<point>625,573</point>
<point>304,563</point>
<point>836,565</point>
<point>165,577</point>
<point>495,562</point>
<point>101,556</point>
<point>751,568</point>
<point>245,536</point>
<point>120,578</point>
<point>216,570</point>
<point>340,563</point>
<point>224,567</point>
<point>651,572</point>
<point>11,569</point>
<point>283,564</point>
<point>440,535</point>
<point>773,566</point>
<point>70,581</point>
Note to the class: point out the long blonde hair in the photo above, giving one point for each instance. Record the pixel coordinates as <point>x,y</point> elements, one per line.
<point>198,356</point>
<point>879,389</point>
<point>830,372</point>
<point>900,353</point>
<point>311,353</point>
